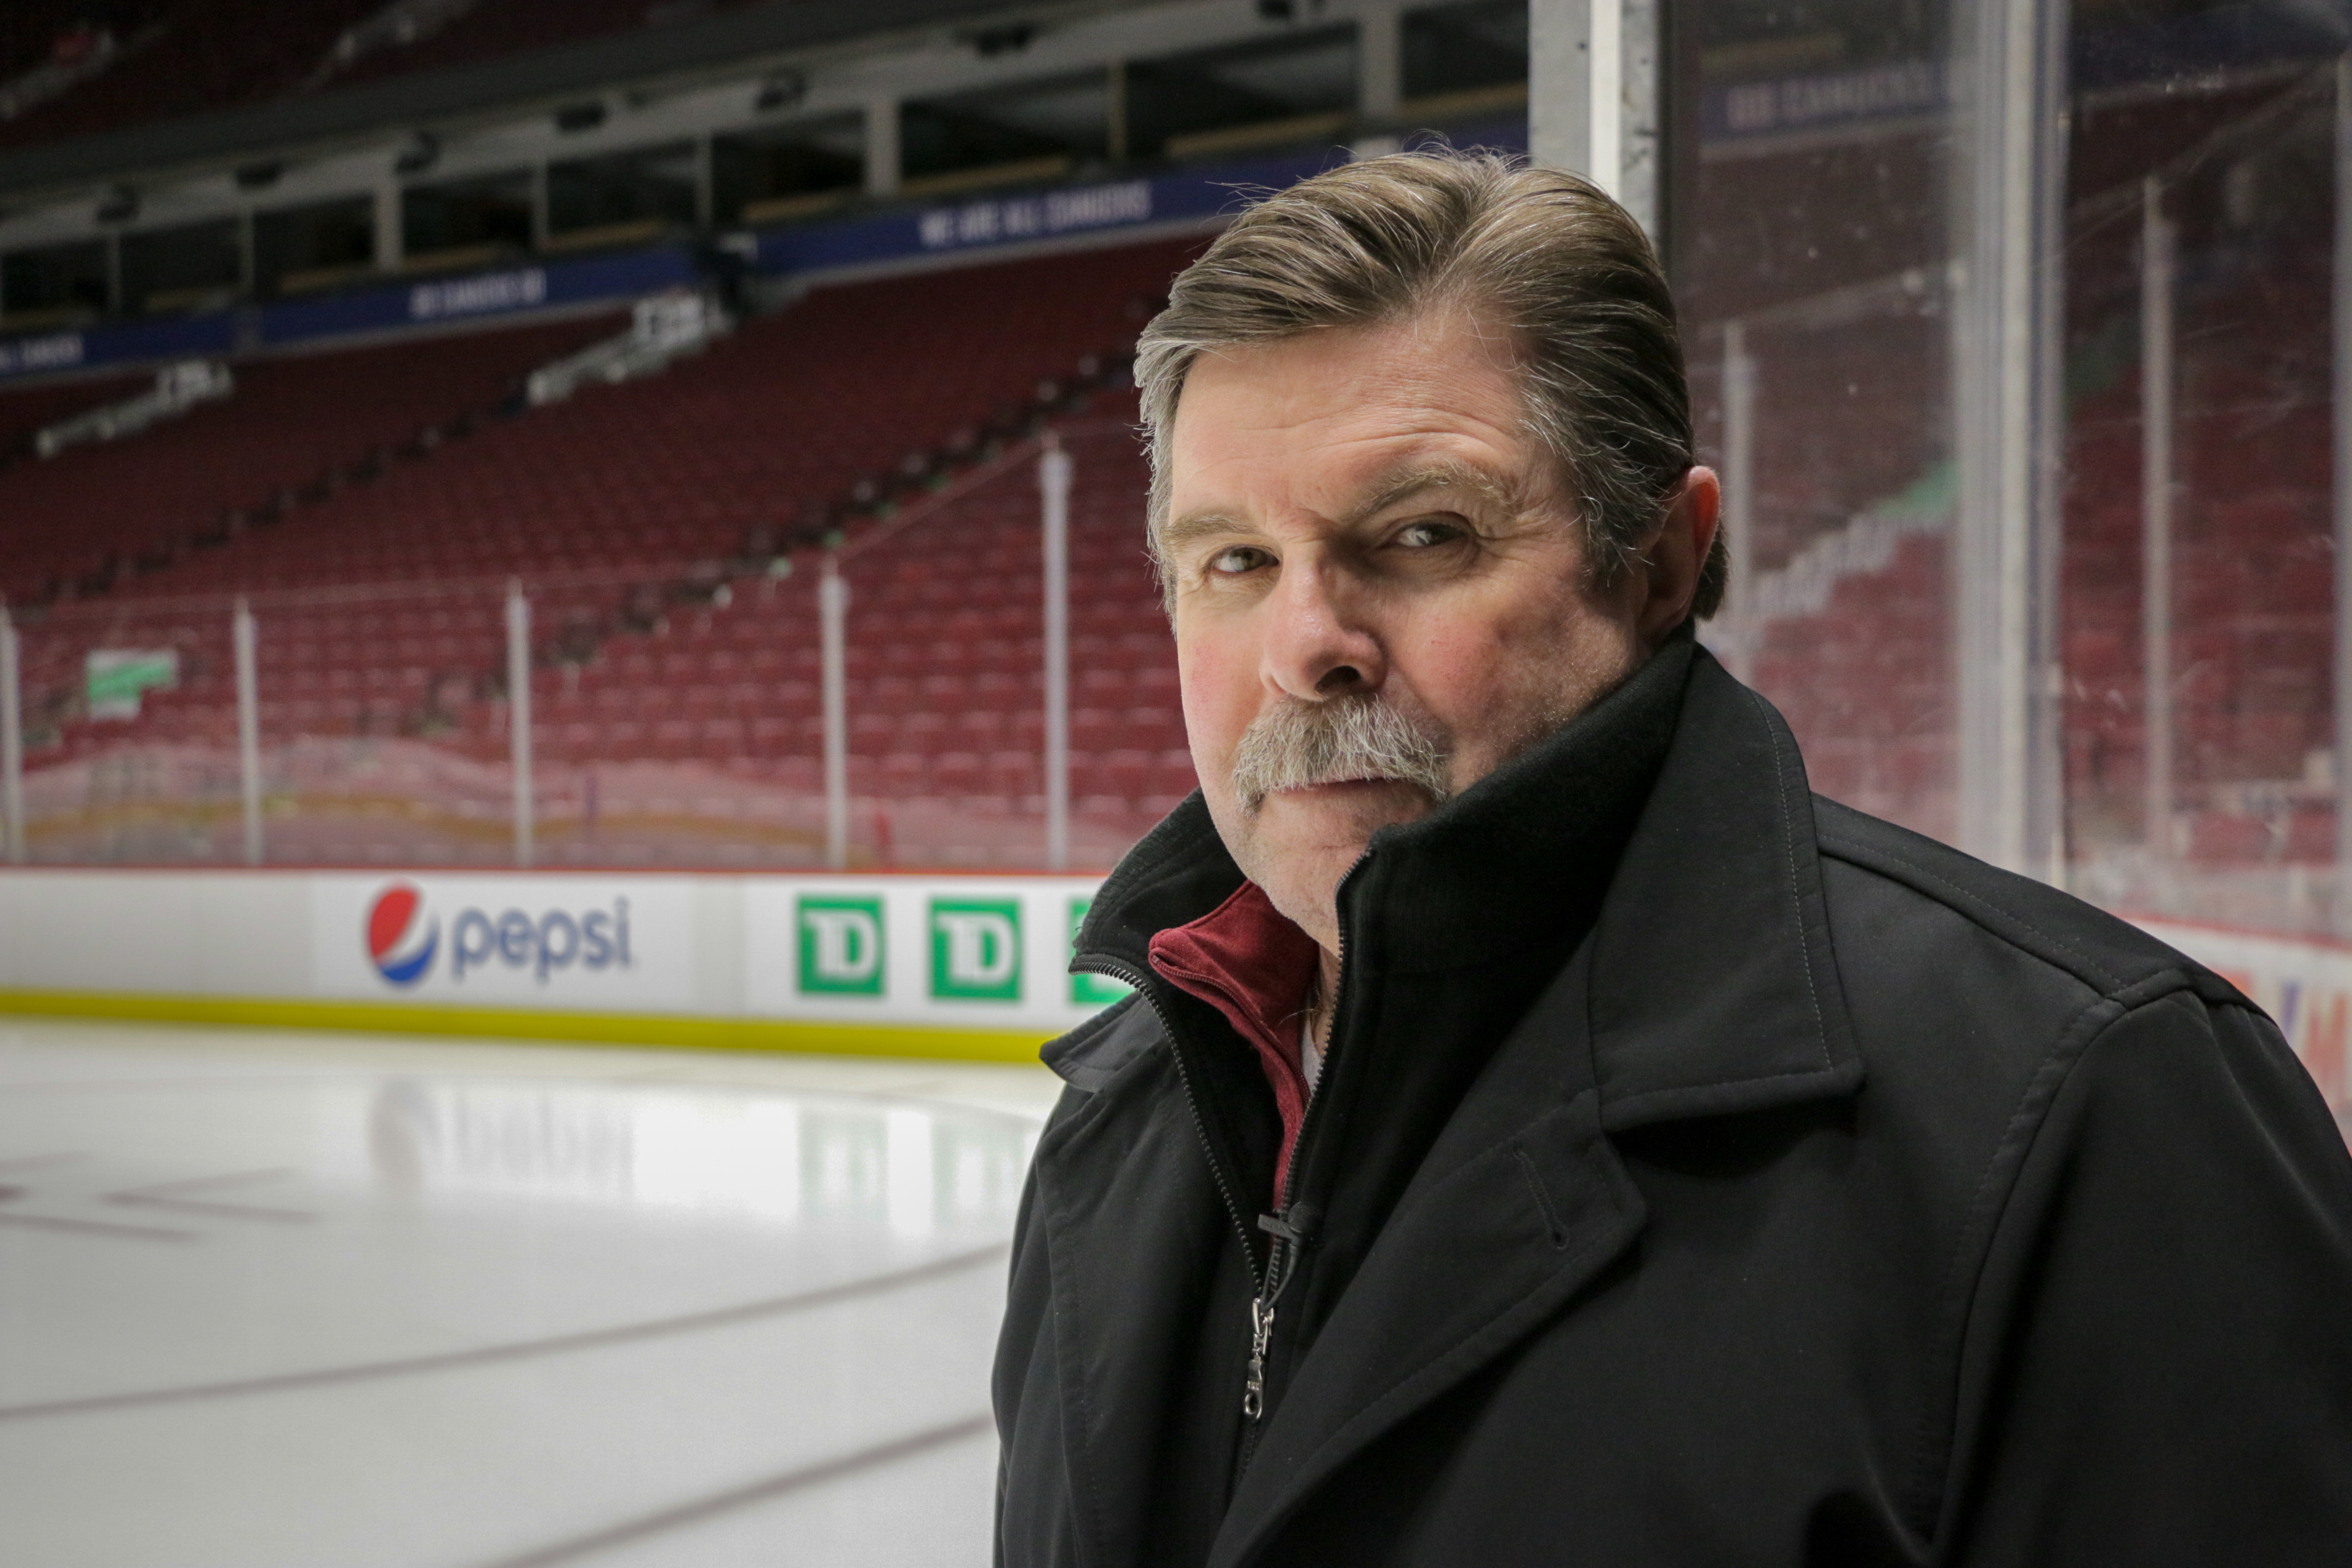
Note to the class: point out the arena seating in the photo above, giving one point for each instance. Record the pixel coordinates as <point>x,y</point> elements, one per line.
<point>298,427</point>
<point>502,28</point>
<point>198,55</point>
<point>26,411</point>
<point>944,657</point>
<point>33,32</point>
<point>1866,686</point>
<point>665,528</point>
<point>210,54</point>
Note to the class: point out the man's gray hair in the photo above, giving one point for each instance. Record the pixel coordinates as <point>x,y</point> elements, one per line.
<point>1541,253</point>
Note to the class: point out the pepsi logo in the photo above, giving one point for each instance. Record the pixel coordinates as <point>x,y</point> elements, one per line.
<point>400,944</point>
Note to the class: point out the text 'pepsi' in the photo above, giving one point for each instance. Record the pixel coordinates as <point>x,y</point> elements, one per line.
<point>596,939</point>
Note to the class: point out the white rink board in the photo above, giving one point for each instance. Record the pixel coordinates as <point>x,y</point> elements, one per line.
<point>737,945</point>
<point>978,952</point>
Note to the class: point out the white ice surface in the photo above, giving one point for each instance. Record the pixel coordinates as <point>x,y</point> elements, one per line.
<point>271,1299</point>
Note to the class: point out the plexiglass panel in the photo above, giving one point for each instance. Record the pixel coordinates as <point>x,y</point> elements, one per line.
<point>1813,219</point>
<point>2198,597</point>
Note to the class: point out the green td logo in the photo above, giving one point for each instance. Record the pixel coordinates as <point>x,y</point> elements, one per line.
<point>841,946</point>
<point>1090,990</point>
<point>976,950</point>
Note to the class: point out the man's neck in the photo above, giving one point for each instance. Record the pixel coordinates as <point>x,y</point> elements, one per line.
<point>1327,995</point>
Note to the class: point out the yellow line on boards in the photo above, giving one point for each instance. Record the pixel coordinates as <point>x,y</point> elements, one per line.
<point>523,1023</point>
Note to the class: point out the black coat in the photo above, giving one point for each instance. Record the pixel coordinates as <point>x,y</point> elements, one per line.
<point>1804,1192</point>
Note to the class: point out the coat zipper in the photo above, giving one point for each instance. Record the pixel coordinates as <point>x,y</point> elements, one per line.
<point>1129,977</point>
<point>1266,1283</point>
<point>1281,1251</point>
<point>1288,1238</point>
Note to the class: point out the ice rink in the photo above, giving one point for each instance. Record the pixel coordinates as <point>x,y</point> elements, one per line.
<point>278,1299</point>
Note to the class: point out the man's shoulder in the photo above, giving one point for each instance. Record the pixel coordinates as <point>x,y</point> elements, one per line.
<point>1094,1053</point>
<point>1910,912</point>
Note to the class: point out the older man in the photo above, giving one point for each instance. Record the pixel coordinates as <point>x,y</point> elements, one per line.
<point>1546,1134</point>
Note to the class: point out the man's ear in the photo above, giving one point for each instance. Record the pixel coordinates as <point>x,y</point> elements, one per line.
<point>1672,565</point>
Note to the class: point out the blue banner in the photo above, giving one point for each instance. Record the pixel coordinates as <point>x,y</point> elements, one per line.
<point>978,225</point>
<point>507,291</point>
<point>1028,216</point>
<point>124,343</point>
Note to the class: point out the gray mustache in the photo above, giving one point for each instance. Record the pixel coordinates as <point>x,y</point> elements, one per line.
<point>1298,744</point>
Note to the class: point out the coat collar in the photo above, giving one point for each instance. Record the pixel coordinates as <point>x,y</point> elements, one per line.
<point>1706,987</point>
<point>1714,986</point>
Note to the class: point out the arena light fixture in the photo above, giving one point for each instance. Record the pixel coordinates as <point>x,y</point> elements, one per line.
<point>782,89</point>
<point>421,152</point>
<point>1009,39</point>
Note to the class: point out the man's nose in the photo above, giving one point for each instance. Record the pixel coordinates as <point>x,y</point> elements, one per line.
<point>1317,644</point>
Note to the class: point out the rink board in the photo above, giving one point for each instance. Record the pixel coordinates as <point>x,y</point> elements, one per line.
<point>928,965</point>
<point>932,965</point>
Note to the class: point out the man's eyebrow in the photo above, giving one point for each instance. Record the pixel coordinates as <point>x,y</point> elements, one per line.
<point>1401,484</point>
<point>1177,532</point>
<point>1486,485</point>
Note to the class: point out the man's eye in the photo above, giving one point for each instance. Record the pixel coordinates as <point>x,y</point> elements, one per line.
<point>1422,535</point>
<point>1240,559</point>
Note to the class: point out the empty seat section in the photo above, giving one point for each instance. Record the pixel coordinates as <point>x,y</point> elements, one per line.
<point>623,509</point>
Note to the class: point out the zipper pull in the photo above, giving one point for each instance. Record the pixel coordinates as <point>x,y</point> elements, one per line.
<point>1261,1331</point>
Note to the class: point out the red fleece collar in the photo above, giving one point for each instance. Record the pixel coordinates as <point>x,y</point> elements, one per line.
<point>1247,960</point>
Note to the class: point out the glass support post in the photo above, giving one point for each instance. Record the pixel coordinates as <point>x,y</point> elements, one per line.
<point>1740,633</point>
<point>2341,373</point>
<point>833,616</point>
<point>243,640</point>
<point>1593,95</point>
<point>1053,483</point>
<point>2156,382</point>
<point>2010,419</point>
<point>1559,81</point>
<point>12,740</point>
<point>1379,64</point>
<point>519,717</point>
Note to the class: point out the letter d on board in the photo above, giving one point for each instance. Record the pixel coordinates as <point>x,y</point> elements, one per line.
<point>841,946</point>
<point>976,950</point>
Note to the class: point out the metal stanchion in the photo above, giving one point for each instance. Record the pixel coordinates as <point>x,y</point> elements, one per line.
<point>248,729</point>
<point>833,613</point>
<point>2343,391</point>
<point>518,715</point>
<point>2156,375</point>
<point>1053,481</point>
<point>12,742</point>
<point>1739,495</point>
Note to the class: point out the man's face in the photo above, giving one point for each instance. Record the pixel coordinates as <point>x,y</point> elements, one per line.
<point>1380,591</point>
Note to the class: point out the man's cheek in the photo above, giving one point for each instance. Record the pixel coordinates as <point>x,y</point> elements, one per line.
<point>1220,696</point>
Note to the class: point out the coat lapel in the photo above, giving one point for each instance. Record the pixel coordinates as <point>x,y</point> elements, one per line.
<point>1519,1204</point>
<point>1124,1194</point>
<point>1705,987</point>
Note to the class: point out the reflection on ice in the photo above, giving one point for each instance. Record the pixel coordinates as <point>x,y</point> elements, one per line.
<point>770,1159</point>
